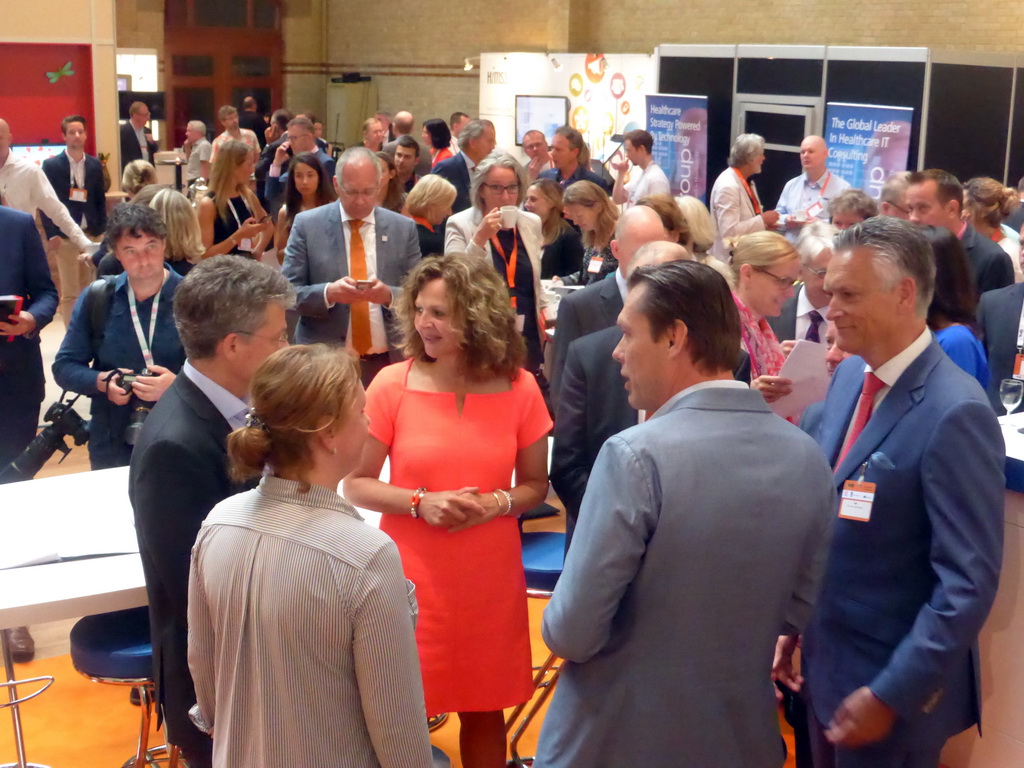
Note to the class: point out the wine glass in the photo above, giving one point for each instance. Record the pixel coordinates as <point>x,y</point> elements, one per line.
<point>1010,393</point>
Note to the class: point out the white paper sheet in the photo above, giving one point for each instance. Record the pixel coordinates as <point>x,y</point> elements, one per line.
<point>805,367</point>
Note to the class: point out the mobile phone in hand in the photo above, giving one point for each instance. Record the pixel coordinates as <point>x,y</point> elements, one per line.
<point>362,285</point>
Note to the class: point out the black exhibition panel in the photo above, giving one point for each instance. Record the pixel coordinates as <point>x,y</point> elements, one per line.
<point>711,77</point>
<point>1017,138</point>
<point>968,119</point>
<point>780,77</point>
<point>884,83</point>
<point>779,167</point>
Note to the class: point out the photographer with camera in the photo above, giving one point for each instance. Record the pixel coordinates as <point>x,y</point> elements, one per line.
<point>122,348</point>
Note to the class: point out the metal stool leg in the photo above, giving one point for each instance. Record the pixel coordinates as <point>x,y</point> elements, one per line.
<point>544,681</point>
<point>13,701</point>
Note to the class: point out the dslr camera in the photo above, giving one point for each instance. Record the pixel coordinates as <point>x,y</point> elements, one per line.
<point>139,408</point>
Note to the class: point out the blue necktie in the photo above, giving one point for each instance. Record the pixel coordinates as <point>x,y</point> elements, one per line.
<point>813,333</point>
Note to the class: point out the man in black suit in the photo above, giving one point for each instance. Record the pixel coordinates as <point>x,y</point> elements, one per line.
<point>77,179</point>
<point>597,306</point>
<point>594,404</point>
<point>230,313</point>
<point>250,118</point>
<point>476,141</point>
<point>136,143</point>
<point>935,197</point>
<point>805,314</point>
<point>999,318</point>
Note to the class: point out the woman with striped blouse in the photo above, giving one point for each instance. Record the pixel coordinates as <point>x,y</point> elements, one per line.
<point>300,621</point>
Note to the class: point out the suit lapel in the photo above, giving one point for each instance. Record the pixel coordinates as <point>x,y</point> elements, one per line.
<point>336,238</point>
<point>201,405</point>
<point>904,395</point>
<point>611,299</point>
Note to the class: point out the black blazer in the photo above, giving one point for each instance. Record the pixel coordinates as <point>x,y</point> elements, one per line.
<point>130,149</point>
<point>178,474</point>
<point>784,326</point>
<point>998,317</point>
<point>562,257</point>
<point>23,272</point>
<point>593,406</point>
<point>455,170</point>
<point>990,265</point>
<point>94,209</point>
<point>587,310</point>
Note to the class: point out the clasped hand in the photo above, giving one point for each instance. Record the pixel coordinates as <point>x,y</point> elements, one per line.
<point>458,510</point>
<point>345,291</point>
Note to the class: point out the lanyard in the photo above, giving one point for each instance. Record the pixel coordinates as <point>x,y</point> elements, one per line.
<point>510,262</point>
<point>750,192</point>
<point>235,213</point>
<point>821,195</point>
<point>147,354</point>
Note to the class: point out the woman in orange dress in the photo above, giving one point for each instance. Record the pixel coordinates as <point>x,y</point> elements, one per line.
<point>456,420</point>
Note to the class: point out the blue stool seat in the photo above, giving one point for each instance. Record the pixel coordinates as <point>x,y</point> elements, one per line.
<point>113,645</point>
<point>543,558</point>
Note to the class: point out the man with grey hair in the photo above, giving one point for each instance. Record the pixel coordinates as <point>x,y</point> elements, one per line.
<point>198,151</point>
<point>477,141</point>
<point>594,404</point>
<point>851,207</point>
<point>230,316</point>
<point>805,314</point>
<point>595,307</point>
<point>347,261</point>
<point>890,655</point>
<point>735,205</point>
<point>893,199</point>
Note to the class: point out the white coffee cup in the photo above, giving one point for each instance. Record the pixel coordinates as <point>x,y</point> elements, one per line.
<point>509,216</point>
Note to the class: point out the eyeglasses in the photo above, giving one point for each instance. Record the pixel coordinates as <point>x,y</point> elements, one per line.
<point>282,339</point>
<point>817,272</point>
<point>512,189</point>
<point>352,193</point>
<point>782,282</point>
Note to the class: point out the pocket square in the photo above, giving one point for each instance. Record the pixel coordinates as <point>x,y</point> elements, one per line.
<point>881,461</point>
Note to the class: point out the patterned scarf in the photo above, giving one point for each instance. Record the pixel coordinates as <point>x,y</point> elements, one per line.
<point>765,352</point>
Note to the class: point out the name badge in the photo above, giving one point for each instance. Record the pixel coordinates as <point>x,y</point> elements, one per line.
<point>245,244</point>
<point>856,500</point>
<point>520,323</point>
<point>79,195</point>
<point>595,265</point>
<point>814,210</point>
<point>1018,367</point>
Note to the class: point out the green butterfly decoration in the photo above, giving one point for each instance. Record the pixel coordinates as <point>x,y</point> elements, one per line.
<point>64,71</point>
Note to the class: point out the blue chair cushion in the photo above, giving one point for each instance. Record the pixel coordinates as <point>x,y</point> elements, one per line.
<point>115,645</point>
<point>543,558</point>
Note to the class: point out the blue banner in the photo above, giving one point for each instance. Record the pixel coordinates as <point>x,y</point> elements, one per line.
<point>867,143</point>
<point>679,125</point>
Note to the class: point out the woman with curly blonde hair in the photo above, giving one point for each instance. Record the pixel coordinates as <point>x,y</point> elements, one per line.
<point>455,420</point>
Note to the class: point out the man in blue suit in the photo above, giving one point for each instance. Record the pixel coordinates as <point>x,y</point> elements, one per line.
<point>347,263</point>
<point>23,272</point>
<point>477,140</point>
<point>890,657</point>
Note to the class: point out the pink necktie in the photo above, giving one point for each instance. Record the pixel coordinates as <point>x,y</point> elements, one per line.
<point>865,404</point>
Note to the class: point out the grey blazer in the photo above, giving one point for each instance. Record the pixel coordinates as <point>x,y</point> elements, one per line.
<point>316,256</point>
<point>702,537</point>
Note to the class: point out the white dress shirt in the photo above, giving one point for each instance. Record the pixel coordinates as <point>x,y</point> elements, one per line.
<point>378,333</point>
<point>25,187</point>
<point>230,407</point>
<point>140,134</point>
<point>803,322</point>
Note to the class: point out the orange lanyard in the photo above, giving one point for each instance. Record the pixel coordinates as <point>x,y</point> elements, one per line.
<point>424,222</point>
<point>750,193</point>
<point>510,262</point>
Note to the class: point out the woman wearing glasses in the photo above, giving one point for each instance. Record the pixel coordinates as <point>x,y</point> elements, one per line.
<point>513,241</point>
<point>765,266</point>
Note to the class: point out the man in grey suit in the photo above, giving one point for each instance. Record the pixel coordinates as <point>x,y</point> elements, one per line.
<point>702,531</point>
<point>347,262</point>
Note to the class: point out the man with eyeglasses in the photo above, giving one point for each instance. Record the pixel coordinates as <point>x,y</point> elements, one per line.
<point>230,316</point>
<point>805,314</point>
<point>347,262</point>
<point>136,142</point>
<point>299,139</point>
<point>893,199</point>
<point>535,147</point>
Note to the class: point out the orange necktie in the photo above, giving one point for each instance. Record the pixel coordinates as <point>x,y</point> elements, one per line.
<point>359,311</point>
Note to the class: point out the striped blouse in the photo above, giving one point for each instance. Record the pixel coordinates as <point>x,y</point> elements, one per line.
<point>300,635</point>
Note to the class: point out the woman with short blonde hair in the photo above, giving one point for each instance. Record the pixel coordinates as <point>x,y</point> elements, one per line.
<point>184,239</point>
<point>303,552</point>
<point>137,174</point>
<point>429,203</point>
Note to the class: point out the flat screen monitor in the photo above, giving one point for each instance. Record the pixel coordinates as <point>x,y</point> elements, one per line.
<point>152,99</point>
<point>36,153</point>
<point>540,113</point>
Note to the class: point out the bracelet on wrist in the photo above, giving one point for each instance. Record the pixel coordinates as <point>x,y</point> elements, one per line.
<point>508,499</point>
<point>414,503</point>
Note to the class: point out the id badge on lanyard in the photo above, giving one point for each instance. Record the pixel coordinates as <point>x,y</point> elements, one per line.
<point>245,244</point>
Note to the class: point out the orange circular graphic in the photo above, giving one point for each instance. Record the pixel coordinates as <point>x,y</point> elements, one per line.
<point>595,67</point>
<point>576,85</point>
<point>624,108</point>
<point>579,119</point>
<point>618,85</point>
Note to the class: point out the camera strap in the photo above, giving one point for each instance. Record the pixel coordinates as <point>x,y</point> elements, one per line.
<point>144,343</point>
